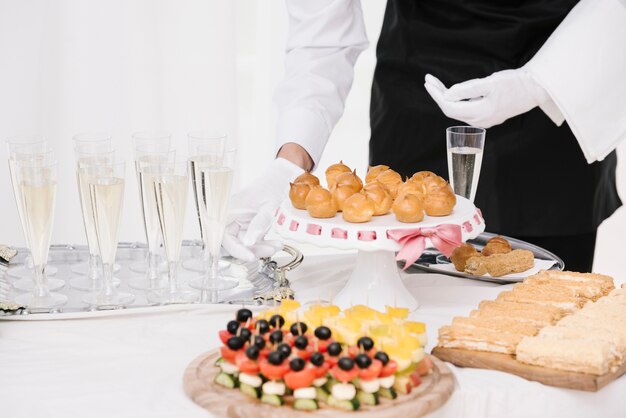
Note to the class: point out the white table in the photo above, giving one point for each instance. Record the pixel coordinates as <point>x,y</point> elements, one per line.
<point>131,365</point>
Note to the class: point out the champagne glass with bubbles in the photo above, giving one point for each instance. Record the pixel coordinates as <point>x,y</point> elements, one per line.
<point>37,184</point>
<point>465,146</point>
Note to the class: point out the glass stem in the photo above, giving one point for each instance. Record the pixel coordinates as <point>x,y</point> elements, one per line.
<point>153,266</point>
<point>173,276</point>
<point>107,273</point>
<point>93,267</point>
<point>40,290</point>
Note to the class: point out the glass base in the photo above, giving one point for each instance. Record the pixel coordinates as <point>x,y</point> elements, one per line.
<point>218,285</point>
<point>165,297</point>
<point>143,283</point>
<point>28,284</point>
<point>83,268</point>
<point>23,272</point>
<point>143,267</point>
<point>89,285</point>
<point>52,300</point>
<point>197,265</point>
<point>114,301</point>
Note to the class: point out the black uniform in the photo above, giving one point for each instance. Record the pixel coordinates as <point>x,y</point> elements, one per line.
<point>534,183</point>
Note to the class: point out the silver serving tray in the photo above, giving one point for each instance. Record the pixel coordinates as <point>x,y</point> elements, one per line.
<point>258,280</point>
<point>430,258</point>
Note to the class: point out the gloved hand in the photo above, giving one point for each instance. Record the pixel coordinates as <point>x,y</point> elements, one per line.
<point>252,211</point>
<point>489,101</point>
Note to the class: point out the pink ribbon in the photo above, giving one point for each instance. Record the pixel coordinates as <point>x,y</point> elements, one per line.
<point>413,241</point>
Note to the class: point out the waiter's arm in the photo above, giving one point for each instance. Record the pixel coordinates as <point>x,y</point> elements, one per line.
<point>325,38</point>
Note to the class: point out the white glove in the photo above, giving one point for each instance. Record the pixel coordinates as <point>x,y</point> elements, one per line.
<point>253,209</point>
<point>489,101</point>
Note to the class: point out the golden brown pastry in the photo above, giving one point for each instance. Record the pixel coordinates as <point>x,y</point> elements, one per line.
<point>307,178</point>
<point>440,202</point>
<point>320,203</point>
<point>391,181</point>
<point>421,175</point>
<point>461,254</point>
<point>497,245</point>
<point>408,208</point>
<point>298,193</point>
<point>358,208</point>
<point>333,171</point>
<point>381,198</point>
<point>412,188</point>
<point>373,172</point>
<point>498,265</point>
<point>349,179</point>
<point>340,194</point>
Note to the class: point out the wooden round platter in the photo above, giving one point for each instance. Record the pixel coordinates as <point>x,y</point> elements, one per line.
<point>198,384</point>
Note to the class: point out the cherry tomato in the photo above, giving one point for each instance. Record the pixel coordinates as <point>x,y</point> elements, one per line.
<point>372,371</point>
<point>353,351</point>
<point>344,376</point>
<point>245,364</point>
<point>302,379</point>
<point>224,336</point>
<point>228,354</point>
<point>389,368</point>
<point>273,372</point>
<point>306,353</point>
<point>264,353</point>
<point>424,366</point>
<point>322,345</point>
<point>320,371</point>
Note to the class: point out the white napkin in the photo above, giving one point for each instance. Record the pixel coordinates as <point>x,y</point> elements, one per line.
<point>539,265</point>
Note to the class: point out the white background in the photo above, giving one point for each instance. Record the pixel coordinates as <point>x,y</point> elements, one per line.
<point>70,66</point>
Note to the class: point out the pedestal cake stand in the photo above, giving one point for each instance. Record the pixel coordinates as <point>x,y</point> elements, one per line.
<point>375,279</point>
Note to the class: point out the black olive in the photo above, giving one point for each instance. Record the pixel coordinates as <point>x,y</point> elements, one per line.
<point>383,357</point>
<point>275,358</point>
<point>276,336</point>
<point>366,343</point>
<point>317,359</point>
<point>296,364</point>
<point>245,333</point>
<point>334,349</point>
<point>346,363</point>
<point>323,333</point>
<point>258,342</point>
<point>301,342</point>
<point>244,314</point>
<point>252,352</point>
<point>284,349</point>
<point>232,327</point>
<point>298,328</point>
<point>235,343</point>
<point>363,361</point>
<point>262,326</point>
<point>277,321</point>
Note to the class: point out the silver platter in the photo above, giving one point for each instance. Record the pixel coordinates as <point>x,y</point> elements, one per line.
<point>431,258</point>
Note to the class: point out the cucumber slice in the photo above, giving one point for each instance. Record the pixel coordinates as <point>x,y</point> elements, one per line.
<point>351,405</point>
<point>321,394</point>
<point>272,399</point>
<point>387,393</point>
<point>329,385</point>
<point>226,380</point>
<point>367,398</point>
<point>305,405</point>
<point>250,390</point>
<point>219,361</point>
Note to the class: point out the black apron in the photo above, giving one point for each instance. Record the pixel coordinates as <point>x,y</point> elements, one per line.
<point>534,179</point>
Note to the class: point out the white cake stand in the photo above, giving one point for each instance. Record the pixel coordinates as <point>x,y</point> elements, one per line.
<point>375,279</point>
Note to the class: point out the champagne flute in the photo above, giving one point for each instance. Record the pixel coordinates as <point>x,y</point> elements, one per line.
<point>148,162</point>
<point>215,179</point>
<point>148,145</point>
<point>106,191</point>
<point>23,147</point>
<point>204,146</point>
<point>37,181</point>
<point>87,147</point>
<point>171,184</point>
<point>465,146</point>
<point>93,280</point>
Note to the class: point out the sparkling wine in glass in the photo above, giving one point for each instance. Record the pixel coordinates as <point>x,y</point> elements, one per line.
<point>465,146</point>
<point>216,180</point>
<point>106,191</point>
<point>170,192</point>
<point>37,182</point>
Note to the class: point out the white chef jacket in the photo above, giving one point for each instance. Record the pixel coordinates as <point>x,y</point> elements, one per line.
<point>582,66</point>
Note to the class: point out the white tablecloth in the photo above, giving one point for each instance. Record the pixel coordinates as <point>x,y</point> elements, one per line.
<point>131,365</point>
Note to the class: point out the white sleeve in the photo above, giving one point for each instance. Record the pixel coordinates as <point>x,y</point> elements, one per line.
<point>325,40</point>
<point>582,66</point>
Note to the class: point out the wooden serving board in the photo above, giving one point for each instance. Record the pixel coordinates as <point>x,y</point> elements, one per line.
<point>507,363</point>
<point>198,384</point>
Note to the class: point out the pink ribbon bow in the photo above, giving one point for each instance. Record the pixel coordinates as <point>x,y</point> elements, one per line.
<point>413,241</point>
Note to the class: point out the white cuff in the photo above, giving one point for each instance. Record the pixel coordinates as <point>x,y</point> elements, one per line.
<point>553,112</point>
<point>304,127</point>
